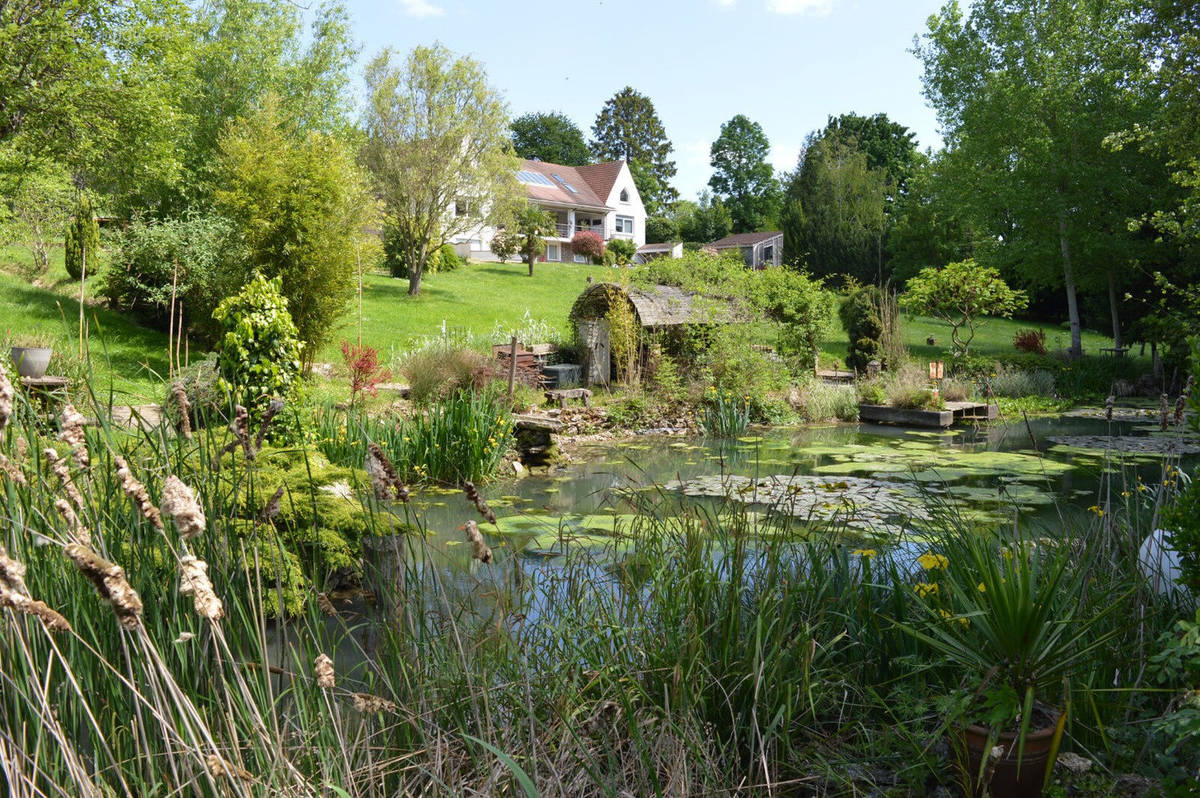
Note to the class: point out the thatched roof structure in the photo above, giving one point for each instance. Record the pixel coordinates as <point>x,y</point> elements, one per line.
<point>653,306</point>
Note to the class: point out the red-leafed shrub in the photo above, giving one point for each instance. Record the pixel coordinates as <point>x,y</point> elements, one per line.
<point>365,372</point>
<point>588,244</point>
<point>1030,340</point>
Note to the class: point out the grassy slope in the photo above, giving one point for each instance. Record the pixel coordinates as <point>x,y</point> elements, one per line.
<point>474,298</point>
<point>478,296</point>
<point>126,358</point>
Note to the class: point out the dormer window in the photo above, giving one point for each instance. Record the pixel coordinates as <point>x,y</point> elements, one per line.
<point>624,195</point>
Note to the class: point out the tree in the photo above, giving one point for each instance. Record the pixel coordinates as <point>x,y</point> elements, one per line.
<point>551,137</point>
<point>532,226</point>
<point>83,238</point>
<point>804,308</point>
<point>963,294</point>
<point>1027,92</point>
<point>888,145</point>
<point>505,245</point>
<point>742,175</point>
<point>660,229</point>
<point>436,141</point>
<point>628,129</point>
<point>927,228</point>
<point>833,218</point>
<point>705,221</point>
<point>588,244</point>
<point>299,204</point>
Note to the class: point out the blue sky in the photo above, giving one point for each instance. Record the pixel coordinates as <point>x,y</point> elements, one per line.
<point>786,64</point>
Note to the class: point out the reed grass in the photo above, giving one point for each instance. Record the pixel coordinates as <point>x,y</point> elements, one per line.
<point>710,650</point>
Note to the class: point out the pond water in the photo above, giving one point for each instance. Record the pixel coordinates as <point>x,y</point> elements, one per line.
<point>875,484</point>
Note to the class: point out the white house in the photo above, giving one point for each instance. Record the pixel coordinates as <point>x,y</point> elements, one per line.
<point>600,197</point>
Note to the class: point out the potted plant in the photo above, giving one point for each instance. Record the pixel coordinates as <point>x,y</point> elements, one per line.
<point>1014,621</point>
<point>31,355</point>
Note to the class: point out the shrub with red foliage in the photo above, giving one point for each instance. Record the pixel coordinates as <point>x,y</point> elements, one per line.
<point>1030,340</point>
<point>588,244</point>
<point>365,372</point>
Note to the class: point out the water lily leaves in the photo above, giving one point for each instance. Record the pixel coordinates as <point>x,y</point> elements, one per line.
<point>1126,444</point>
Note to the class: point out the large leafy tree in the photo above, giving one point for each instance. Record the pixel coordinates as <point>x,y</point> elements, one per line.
<point>705,221</point>
<point>299,203</point>
<point>833,218</point>
<point>1027,92</point>
<point>743,177</point>
<point>964,295</point>
<point>888,145</point>
<point>551,137</point>
<point>437,141</point>
<point>926,227</point>
<point>628,129</point>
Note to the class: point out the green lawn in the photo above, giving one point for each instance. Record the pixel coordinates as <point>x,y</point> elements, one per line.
<point>472,301</point>
<point>125,358</point>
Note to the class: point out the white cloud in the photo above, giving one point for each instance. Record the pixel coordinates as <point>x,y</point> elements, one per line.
<point>816,7</point>
<point>420,8</point>
<point>725,3</point>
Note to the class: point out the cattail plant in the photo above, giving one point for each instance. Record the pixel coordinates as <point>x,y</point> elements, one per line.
<point>1108,407</point>
<point>1180,403</point>
<point>240,427</point>
<point>185,410</point>
<point>136,491</point>
<point>1163,413</point>
<point>6,399</point>
<point>110,582</point>
<point>179,503</point>
<point>15,595</point>
<point>479,549</point>
<point>384,479</point>
<point>78,532</point>
<point>194,582</point>
<point>480,505</point>
<point>70,425</point>
<point>323,670</point>
<point>58,467</point>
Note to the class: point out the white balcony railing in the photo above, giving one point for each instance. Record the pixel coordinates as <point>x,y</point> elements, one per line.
<point>568,230</point>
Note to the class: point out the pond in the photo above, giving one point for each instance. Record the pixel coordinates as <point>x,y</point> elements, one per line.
<point>872,482</point>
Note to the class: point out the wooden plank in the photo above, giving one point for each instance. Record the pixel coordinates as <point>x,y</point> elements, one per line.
<point>882,414</point>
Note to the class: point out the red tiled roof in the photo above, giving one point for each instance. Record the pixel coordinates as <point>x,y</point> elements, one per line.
<point>557,193</point>
<point>744,239</point>
<point>601,176</point>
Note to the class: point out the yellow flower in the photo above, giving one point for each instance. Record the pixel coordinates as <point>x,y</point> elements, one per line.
<point>1095,508</point>
<point>950,616</point>
<point>982,588</point>
<point>929,561</point>
<point>863,553</point>
<point>924,589</point>
<point>1125,494</point>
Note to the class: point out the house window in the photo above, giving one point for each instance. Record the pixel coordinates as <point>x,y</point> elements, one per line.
<point>624,195</point>
<point>460,207</point>
<point>580,258</point>
<point>769,254</point>
<point>625,225</point>
<point>553,252</point>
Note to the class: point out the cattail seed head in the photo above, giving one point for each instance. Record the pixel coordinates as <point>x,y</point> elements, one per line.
<point>136,491</point>
<point>479,549</point>
<point>185,410</point>
<point>323,669</point>
<point>480,505</point>
<point>1163,412</point>
<point>179,503</point>
<point>384,479</point>
<point>109,581</point>
<point>7,394</point>
<point>1108,407</point>
<point>79,533</point>
<point>326,606</point>
<point>70,430</point>
<point>15,595</point>
<point>58,467</point>
<point>194,582</point>
<point>9,469</point>
<point>219,767</point>
<point>365,702</point>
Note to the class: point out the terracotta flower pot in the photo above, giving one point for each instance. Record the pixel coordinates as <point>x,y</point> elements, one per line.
<point>31,361</point>
<point>1001,777</point>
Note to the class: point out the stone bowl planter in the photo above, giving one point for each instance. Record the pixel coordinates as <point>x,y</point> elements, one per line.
<point>31,361</point>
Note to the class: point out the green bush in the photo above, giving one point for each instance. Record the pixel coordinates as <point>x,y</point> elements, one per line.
<point>447,259</point>
<point>622,251</point>
<point>860,318</point>
<point>83,236</point>
<point>194,255</point>
<point>437,372</point>
<point>259,353</point>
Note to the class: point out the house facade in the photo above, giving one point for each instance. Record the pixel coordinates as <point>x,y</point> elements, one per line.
<point>758,250</point>
<point>600,198</point>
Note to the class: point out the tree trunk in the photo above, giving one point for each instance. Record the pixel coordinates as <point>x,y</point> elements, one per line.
<point>1076,349</point>
<point>414,276</point>
<point>1114,308</point>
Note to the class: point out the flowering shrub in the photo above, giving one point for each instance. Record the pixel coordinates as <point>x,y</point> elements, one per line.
<point>588,244</point>
<point>1030,340</point>
<point>362,361</point>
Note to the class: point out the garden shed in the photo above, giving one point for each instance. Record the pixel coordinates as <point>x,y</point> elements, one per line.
<point>614,323</point>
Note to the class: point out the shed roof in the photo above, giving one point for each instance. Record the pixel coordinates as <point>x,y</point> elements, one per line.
<point>654,306</point>
<point>744,239</point>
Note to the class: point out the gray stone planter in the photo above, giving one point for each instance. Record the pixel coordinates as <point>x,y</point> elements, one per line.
<point>31,361</point>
